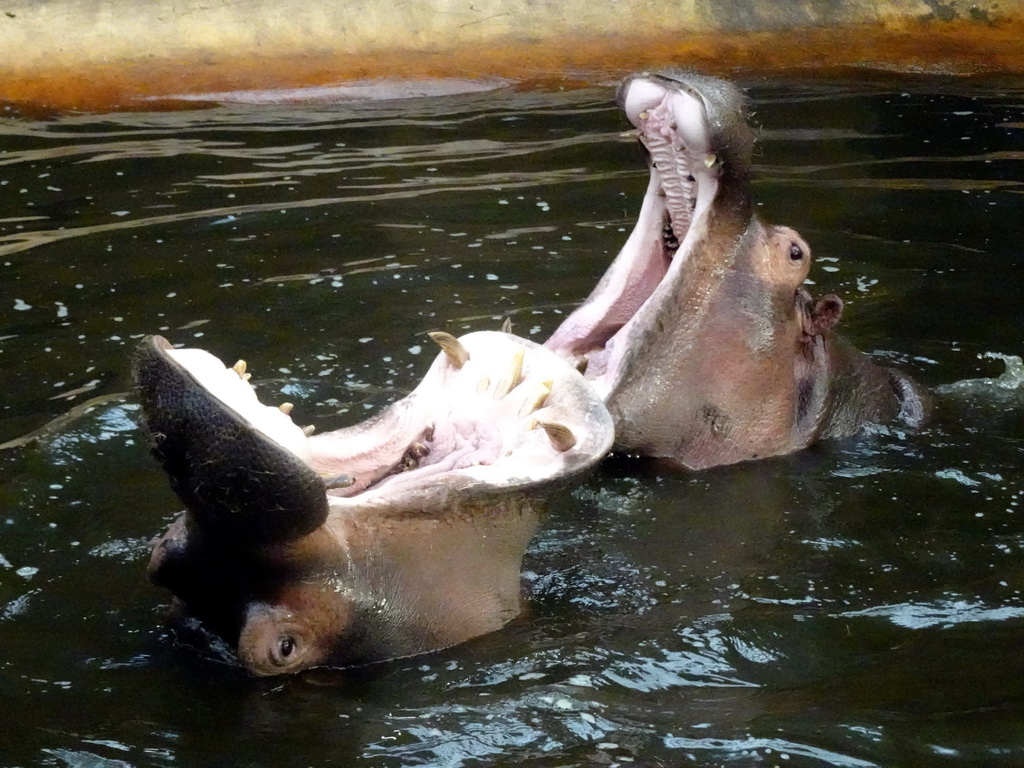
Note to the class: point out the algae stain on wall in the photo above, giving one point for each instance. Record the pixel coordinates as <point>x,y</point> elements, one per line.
<point>101,54</point>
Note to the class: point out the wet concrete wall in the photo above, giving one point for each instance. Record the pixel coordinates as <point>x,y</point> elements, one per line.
<point>92,54</point>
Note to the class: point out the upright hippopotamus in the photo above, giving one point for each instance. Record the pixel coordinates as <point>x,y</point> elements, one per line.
<point>700,337</point>
<point>397,536</point>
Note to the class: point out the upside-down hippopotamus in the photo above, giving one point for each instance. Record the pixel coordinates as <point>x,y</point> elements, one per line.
<point>400,535</point>
<point>701,337</point>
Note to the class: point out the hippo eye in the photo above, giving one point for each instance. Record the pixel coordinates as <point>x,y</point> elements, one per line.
<point>796,253</point>
<point>285,647</point>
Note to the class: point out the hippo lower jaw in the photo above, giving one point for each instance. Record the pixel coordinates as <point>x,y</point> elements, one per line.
<point>400,535</point>
<point>493,411</point>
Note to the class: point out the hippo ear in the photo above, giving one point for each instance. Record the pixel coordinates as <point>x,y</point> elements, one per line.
<point>826,313</point>
<point>236,481</point>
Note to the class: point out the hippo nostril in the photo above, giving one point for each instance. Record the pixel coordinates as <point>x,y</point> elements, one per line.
<point>796,253</point>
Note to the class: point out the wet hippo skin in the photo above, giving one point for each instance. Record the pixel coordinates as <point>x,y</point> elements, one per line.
<point>397,536</point>
<point>701,337</point>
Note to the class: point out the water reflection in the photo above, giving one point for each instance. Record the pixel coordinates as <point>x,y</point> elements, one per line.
<point>840,607</point>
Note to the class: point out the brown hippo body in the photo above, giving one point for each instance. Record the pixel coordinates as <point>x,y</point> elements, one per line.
<point>700,337</point>
<point>397,536</point>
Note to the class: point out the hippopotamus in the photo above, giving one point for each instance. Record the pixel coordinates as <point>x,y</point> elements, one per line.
<point>701,336</point>
<point>397,536</point>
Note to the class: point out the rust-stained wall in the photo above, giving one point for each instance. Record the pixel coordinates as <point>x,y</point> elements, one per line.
<point>99,54</point>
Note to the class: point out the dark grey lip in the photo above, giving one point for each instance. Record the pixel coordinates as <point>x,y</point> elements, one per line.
<point>232,476</point>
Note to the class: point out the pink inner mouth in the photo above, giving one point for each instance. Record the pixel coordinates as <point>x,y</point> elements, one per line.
<point>673,126</point>
<point>493,411</point>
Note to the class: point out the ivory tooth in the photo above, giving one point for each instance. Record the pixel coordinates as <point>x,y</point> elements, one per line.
<point>285,408</point>
<point>537,399</point>
<point>239,368</point>
<point>483,384</point>
<point>560,435</point>
<point>710,159</point>
<point>512,376</point>
<point>457,354</point>
<point>644,115</point>
<point>307,431</point>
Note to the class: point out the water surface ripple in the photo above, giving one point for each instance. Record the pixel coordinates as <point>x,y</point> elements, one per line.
<point>859,604</point>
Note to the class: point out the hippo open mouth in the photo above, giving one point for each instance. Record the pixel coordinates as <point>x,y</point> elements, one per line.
<point>396,536</point>
<point>694,131</point>
<point>701,337</point>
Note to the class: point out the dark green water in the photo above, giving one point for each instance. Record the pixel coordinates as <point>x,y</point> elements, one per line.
<point>859,604</point>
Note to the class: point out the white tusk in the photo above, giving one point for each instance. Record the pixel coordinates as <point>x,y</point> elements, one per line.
<point>536,400</point>
<point>457,354</point>
<point>560,435</point>
<point>512,376</point>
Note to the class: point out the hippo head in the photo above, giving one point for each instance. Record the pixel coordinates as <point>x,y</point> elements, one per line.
<point>397,536</point>
<point>700,336</point>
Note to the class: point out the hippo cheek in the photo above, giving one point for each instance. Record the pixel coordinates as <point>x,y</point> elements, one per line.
<point>275,641</point>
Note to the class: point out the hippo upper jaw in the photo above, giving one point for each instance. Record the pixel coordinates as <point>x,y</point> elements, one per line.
<point>674,127</point>
<point>698,148</point>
